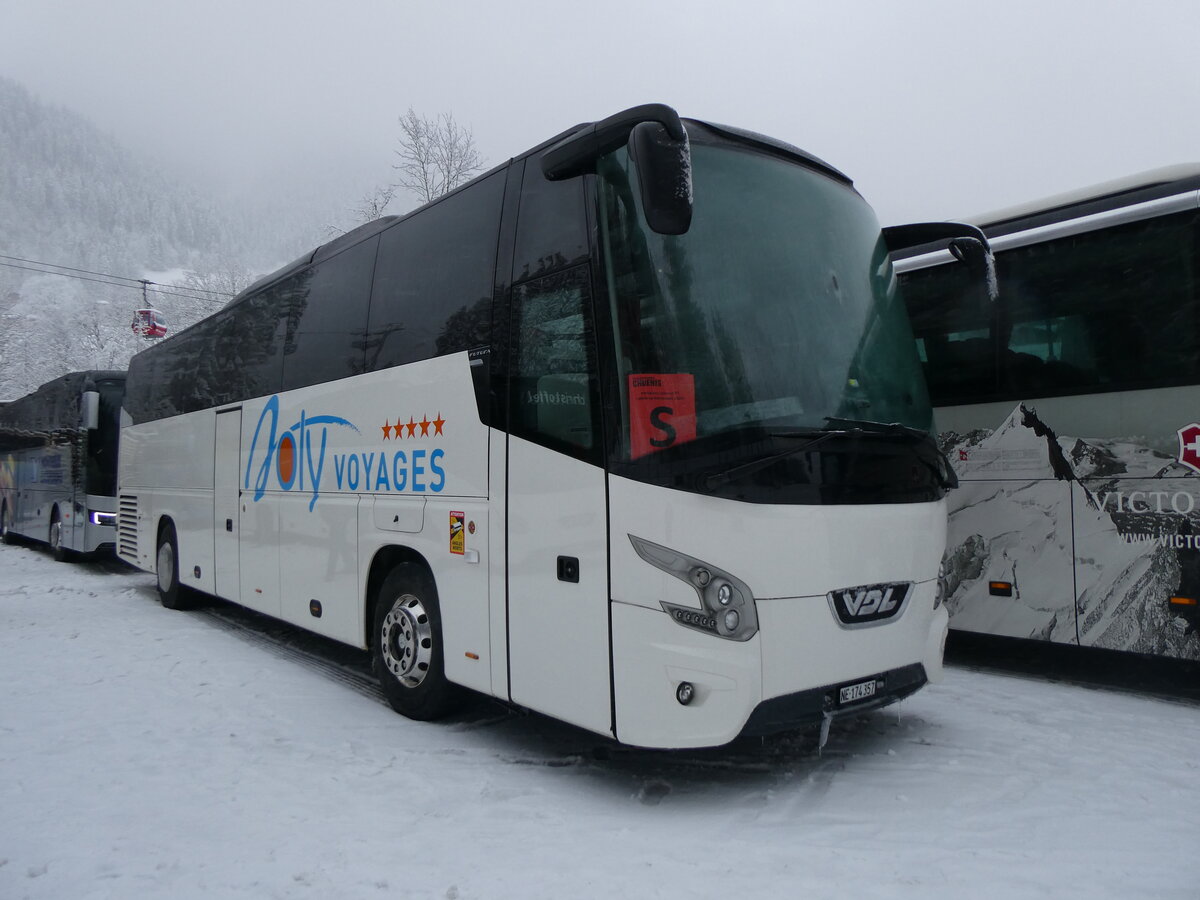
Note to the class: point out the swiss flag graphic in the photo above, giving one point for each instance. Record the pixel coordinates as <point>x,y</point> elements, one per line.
<point>1189,446</point>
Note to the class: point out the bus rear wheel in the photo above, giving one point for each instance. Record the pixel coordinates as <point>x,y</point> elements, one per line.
<point>6,534</point>
<point>406,648</point>
<point>170,592</point>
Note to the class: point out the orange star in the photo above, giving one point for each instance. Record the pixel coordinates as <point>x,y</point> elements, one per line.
<point>399,426</point>
<point>387,430</point>
<point>424,426</point>
<point>412,427</point>
<point>438,423</point>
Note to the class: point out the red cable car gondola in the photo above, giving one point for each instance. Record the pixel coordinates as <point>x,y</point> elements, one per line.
<point>149,323</point>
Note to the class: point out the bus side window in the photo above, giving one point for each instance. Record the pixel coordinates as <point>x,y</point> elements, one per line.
<point>954,334</point>
<point>327,318</point>
<point>553,390</point>
<point>552,226</point>
<point>434,275</point>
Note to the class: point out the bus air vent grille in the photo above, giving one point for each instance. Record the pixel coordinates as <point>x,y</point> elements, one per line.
<point>127,530</point>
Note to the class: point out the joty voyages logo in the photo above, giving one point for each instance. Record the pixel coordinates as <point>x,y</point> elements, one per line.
<point>1189,446</point>
<point>295,456</point>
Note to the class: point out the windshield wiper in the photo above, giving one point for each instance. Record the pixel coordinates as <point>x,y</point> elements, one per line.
<point>834,427</point>
<point>894,429</point>
<point>813,439</point>
<point>939,465</point>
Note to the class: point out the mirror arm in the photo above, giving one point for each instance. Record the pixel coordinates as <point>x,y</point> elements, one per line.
<point>578,152</point>
<point>902,237</point>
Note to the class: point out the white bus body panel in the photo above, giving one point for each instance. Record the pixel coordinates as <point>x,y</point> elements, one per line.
<point>310,532</point>
<point>558,630</point>
<point>790,557</point>
<point>168,465</point>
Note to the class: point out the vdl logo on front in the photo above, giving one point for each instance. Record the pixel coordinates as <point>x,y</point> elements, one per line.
<point>869,604</point>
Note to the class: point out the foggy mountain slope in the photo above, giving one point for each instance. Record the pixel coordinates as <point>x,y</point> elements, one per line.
<point>74,196</point>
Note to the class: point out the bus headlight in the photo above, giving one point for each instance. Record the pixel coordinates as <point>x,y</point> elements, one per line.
<point>102,518</point>
<point>727,608</point>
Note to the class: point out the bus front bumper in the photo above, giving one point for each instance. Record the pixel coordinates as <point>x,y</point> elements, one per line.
<point>801,667</point>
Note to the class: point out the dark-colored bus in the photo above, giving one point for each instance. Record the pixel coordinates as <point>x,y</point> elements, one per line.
<point>58,463</point>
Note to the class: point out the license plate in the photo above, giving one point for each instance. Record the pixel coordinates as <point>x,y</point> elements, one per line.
<point>854,692</point>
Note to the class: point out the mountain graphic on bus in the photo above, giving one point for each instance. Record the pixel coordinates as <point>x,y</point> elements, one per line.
<point>1093,537</point>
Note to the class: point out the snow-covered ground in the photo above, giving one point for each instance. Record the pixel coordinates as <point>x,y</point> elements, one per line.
<point>146,753</point>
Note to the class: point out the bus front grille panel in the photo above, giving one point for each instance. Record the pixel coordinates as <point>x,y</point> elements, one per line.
<point>127,531</point>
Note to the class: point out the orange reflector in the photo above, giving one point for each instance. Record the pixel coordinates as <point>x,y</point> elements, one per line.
<point>1000,588</point>
<point>1184,601</point>
<point>472,656</point>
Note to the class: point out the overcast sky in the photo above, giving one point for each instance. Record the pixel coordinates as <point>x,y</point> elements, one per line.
<point>936,109</point>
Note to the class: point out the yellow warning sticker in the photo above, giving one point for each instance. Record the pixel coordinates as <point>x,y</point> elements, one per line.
<point>458,537</point>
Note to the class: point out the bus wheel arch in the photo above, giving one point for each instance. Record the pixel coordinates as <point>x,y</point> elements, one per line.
<point>171,593</point>
<point>407,651</point>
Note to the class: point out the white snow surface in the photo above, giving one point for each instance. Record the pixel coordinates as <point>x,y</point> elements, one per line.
<point>154,754</point>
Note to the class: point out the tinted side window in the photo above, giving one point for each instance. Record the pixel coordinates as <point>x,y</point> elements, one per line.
<point>552,392</point>
<point>953,327</point>
<point>1110,310</point>
<point>249,344</point>
<point>148,394</point>
<point>551,226</point>
<point>1105,310</point>
<point>433,279</point>
<point>327,317</point>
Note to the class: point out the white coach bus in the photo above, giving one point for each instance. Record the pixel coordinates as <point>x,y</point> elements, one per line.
<point>58,463</point>
<point>629,431</point>
<point>1069,409</point>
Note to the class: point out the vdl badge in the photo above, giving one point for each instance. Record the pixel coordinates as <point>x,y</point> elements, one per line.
<point>869,604</point>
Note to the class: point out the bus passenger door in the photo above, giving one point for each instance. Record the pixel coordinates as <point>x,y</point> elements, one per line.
<point>257,524</point>
<point>227,469</point>
<point>556,508</point>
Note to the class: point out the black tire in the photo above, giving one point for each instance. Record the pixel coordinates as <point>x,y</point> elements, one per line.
<point>166,563</point>
<point>61,553</point>
<point>6,534</point>
<point>406,646</point>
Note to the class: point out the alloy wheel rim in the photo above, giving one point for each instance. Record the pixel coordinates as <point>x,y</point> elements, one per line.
<point>166,566</point>
<point>406,639</point>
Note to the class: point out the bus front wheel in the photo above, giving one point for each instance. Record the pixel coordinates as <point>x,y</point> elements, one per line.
<point>6,534</point>
<point>407,650</point>
<point>170,592</point>
<point>61,553</point>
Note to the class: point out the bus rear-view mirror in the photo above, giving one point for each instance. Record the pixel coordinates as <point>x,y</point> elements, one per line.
<point>664,170</point>
<point>90,411</point>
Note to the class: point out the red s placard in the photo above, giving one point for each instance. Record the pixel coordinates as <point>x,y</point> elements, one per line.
<point>662,412</point>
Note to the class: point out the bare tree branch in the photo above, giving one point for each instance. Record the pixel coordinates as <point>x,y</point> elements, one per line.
<point>436,155</point>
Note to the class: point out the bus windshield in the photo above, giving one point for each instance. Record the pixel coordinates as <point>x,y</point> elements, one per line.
<point>102,443</point>
<point>777,311</point>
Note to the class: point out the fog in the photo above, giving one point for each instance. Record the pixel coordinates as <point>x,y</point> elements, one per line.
<point>936,109</point>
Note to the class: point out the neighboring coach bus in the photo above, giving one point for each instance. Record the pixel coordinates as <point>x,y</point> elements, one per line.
<point>1070,409</point>
<point>58,463</point>
<point>629,431</point>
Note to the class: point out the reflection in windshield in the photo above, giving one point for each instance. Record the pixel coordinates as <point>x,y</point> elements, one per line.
<point>778,307</point>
